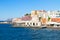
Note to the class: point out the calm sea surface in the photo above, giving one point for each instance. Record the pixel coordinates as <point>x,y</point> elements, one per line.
<point>7,32</point>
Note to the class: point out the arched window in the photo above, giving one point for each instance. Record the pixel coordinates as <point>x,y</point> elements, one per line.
<point>36,23</point>
<point>33,23</point>
<point>27,23</point>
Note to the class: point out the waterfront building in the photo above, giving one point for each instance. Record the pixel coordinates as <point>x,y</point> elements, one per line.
<point>16,20</point>
<point>25,18</point>
<point>46,17</point>
<point>39,15</point>
<point>54,15</point>
<point>42,15</point>
<point>32,20</point>
<point>39,18</point>
<point>34,16</point>
<point>57,17</point>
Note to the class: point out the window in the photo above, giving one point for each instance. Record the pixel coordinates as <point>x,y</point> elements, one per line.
<point>27,23</point>
<point>33,23</point>
<point>30,23</point>
<point>58,15</point>
<point>36,23</point>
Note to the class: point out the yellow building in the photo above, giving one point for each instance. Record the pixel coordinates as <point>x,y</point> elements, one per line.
<point>34,16</point>
<point>33,13</point>
<point>39,15</point>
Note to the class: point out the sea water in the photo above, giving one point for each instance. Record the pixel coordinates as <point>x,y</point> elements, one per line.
<point>8,32</point>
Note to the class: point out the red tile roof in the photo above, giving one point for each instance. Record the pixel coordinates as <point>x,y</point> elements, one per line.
<point>42,11</point>
<point>26,18</point>
<point>55,19</point>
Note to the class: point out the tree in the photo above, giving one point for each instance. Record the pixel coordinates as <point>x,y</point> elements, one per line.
<point>49,18</point>
<point>27,14</point>
<point>40,18</point>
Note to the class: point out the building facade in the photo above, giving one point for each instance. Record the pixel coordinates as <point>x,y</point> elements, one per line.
<point>39,17</point>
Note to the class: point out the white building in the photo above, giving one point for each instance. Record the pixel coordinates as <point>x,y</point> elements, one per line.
<point>54,14</point>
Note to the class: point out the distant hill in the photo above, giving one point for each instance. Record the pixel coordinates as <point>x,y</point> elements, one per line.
<point>9,20</point>
<point>2,21</point>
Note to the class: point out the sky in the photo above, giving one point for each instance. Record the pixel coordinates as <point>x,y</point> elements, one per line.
<point>17,8</point>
